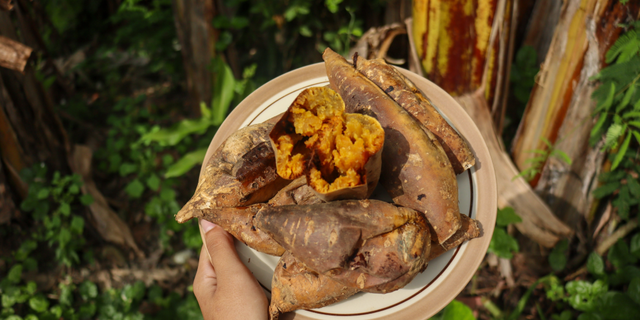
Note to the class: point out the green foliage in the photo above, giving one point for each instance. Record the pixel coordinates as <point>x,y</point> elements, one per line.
<point>455,310</point>
<point>523,72</point>
<point>51,203</point>
<point>618,114</point>
<point>536,163</point>
<point>502,244</point>
<point>558,255</point>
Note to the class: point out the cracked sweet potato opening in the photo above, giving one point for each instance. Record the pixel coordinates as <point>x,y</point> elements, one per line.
<point>315,137</point>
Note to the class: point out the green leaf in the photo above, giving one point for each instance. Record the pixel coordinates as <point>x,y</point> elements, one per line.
<point>619,255</point>
<point>606,104</point>
<point>502,244</point>
<point>43,193</point>
<point>205,111</point>
<point>617,306</point>
<point>305,31</point>
<point>632,114</point>
<point>39,303</point>
<point>30,288</point>
<point>596,128</point>
<point>223,90</point>
<point>86,199</point>
<point>634,290</point>
<point>558,256</point>
<point>66,294</point>
<point>457,310</point>
<point>88,290</point>
<point>507,216</point>
<point>582,294</point>
<point>74,189</point>
<point>595,264</point>
<point>56,311</point>
<point>172,136</point>
<point>565,315</point>
<point>562,156</point>
<point>135,292</point>
<point>134,189</point>
<point>64,237</point>
<point>606,189</point>
<point>613,133</point>
<point>127,168</point>
<point>634,246</point>
<point>185,163</point>
<point>621,152</point>
<point>15,273</point>
<point>627,97</point>
<point>635,123</point>
<point>25,249</point>
<point>153,182</point>
<point>332,5</point>
<point>65,209</point>
<point>77,225</point>
<point>167,194</point>
<point>87,310</point>
<point>624,275</point>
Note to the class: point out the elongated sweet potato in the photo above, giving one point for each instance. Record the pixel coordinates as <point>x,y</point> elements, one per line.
<point>412,99</point>
<point>240,223</point>
<point>339,153</point>
<point>363,244</point>
<point>470,229</point>
<point>294,286</point>
<point>241,172</point>
<point>417,172</point>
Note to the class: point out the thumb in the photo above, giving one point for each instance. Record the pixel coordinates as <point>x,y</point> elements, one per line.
<point>222,252</point>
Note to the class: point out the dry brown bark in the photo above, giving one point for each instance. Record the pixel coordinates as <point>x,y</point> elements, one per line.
<point>560,107</point>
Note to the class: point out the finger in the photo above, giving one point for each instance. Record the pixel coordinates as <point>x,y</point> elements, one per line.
<point>205,281</point>
<point>222,251</point>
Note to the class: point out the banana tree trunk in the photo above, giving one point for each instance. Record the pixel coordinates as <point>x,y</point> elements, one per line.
<point>466,47</point>
<point>560,106</point>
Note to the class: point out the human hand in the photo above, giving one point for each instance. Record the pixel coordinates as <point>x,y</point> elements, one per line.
<point>224,287</point>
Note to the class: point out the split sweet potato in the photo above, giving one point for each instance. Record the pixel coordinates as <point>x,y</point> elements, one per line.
<point>294,286</point>
<point>417,172</point>
<point>339,153</point>
<point>470,229</point>
<point>412,99</point>
<point>363,244</point>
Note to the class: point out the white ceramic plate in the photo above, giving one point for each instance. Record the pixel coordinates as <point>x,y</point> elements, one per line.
<point>445,276</point>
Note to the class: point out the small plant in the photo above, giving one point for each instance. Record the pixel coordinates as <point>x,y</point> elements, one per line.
<point>51,203</point>
<point>536,163</point>
<point>502,244</point>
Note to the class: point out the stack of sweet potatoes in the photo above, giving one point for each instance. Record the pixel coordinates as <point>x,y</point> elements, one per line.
<point>297,186</point>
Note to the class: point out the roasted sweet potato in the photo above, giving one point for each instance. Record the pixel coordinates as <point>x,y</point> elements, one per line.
<point>417,172</point>
<point>363,244</point>
<point>296,192</point>
<point>470,229</point>
<point>339,153</point>
<point>240,223</point>
<point>412,99</point>
<point>294,286</point>
<point>241,172</point>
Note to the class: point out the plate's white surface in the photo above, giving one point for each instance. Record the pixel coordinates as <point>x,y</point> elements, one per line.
<point>425,286</point>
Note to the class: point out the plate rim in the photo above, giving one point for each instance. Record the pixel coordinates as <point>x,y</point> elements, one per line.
<point>456,276</point>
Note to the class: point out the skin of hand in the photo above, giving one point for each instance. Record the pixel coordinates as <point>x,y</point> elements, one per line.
<point>223,286</point>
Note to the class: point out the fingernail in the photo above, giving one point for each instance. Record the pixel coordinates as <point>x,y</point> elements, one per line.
<point>207,225</point>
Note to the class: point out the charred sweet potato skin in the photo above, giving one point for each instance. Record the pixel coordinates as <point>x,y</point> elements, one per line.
<point>363,244</point>
<point>412,99</point>
<point>294,286</point>
<point>240,223</point>
<point>470,229</point>
<point>241,172</point>
<point>417,173</point>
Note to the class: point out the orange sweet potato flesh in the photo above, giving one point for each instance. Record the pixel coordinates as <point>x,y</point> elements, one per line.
<point>339,153</point>
<point>363,244</point>
<point>417,173</point>
<point>412,99</point>
<point>294,286</point>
